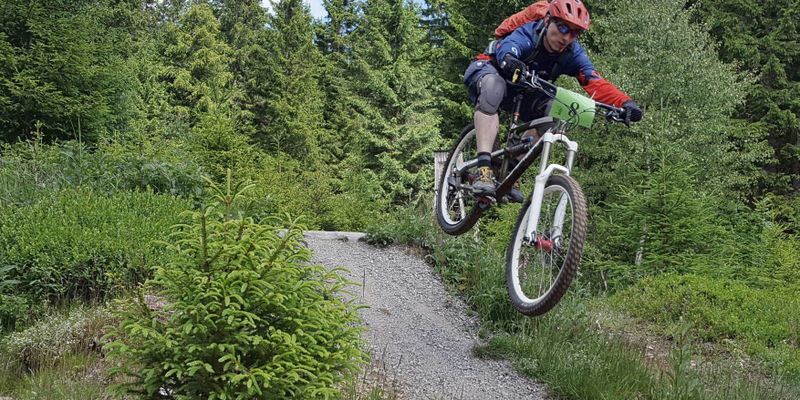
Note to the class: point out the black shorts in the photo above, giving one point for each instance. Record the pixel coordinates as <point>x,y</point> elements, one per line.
<point>534,105</point>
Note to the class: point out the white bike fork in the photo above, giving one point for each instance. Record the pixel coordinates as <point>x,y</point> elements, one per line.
<point>545,170</point>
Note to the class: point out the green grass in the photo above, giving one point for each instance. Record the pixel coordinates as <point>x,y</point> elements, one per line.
<point>764,323</point>
<point>566,350</point>
<point>374,382</point>
<point>77,376</point>
<point>561,350</point>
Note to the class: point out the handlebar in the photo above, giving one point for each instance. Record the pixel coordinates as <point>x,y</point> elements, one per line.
<point>612,113</point>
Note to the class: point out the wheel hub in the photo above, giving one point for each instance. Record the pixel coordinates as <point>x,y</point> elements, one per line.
<point>543,244</point>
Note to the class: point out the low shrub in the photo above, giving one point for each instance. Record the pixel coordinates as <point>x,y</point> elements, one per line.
<point>246,315</point>
<point>356,202</point>
<point>764,322</point>
<point>342,198</point>
<point>30,170</point>
<point>77,243</point>
<point>13,310</point>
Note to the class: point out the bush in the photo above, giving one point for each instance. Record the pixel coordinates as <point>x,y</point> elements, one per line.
<point>770,255</point>
<point>28,170</point>
<point>246,315</point>
<point>341,198</point>
<point>356,202</point>
<point>13,310</point>
<point>657,226</point>
<point>76,243</point>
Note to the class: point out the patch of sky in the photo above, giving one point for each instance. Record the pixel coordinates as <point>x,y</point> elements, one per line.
<point>316,7</point>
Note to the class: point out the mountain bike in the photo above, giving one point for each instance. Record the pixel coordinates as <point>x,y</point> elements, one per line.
<point>546,244</point>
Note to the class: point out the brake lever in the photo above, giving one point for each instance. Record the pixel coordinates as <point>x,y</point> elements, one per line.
<point>613,116</point>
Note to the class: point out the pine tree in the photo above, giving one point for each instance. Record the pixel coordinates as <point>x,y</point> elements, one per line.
<point>341,21</point>
<point>392,74</point>
<point>346,124</point>
<point>658,226</point>
<point>293,121</point>
<point>202,87</point>
<point>689,105</point>
<point>200,63</point>
<point>169,10</point>
<point>64,64</point>
<point>762,37</point>
<point>436,20</point>
<point>243,25</point>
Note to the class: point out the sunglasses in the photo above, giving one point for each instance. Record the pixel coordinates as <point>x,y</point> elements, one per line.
<point>565,29</point>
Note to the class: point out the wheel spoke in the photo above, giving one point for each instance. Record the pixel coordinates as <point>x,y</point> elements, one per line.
<point>456,207</point>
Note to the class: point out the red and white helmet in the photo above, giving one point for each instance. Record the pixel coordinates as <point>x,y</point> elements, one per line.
<point>571,11</point>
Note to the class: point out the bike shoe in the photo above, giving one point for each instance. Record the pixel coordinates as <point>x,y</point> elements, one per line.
<point>515,194</point>
<point>484,185</point>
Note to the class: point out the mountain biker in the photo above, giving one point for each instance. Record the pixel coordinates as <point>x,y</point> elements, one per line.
<point>549,48</point>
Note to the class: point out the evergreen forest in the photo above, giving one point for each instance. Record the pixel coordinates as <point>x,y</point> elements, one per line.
<point>160,160</point>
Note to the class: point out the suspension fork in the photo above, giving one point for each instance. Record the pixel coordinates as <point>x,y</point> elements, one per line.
<point>545,170</point>
<point>563,201</point>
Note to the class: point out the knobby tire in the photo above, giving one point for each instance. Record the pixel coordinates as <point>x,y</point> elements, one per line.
<point>567,270</point>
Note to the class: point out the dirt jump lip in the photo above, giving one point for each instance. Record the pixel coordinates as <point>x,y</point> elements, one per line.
<point>335,235</point>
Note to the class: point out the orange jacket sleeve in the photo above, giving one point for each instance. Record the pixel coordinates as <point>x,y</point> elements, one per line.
<point>602,90</point>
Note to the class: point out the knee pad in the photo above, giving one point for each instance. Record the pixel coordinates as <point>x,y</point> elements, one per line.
<point>492,89</point>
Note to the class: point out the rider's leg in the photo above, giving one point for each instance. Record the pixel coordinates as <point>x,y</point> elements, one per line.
<point>492,89</point>
<point>535,108</point>
<point>486,127</point>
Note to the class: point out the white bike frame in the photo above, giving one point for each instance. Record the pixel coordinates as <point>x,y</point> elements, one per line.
<point>545,170</point>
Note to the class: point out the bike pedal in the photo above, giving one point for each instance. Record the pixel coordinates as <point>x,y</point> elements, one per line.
<point>484,202</point>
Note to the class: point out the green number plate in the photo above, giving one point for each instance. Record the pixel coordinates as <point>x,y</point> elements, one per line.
<point>573,108</point>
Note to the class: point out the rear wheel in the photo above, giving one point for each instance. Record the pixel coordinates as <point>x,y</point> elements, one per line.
<point>539,271</point>
<point>457,210</point>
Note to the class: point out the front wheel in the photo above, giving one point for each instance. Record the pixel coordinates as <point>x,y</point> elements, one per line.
<point>457,210</point>
<point>540,270</point>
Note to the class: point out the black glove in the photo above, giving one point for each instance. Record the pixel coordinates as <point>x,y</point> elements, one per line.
<point>632,111</point>
<point>513,68</point>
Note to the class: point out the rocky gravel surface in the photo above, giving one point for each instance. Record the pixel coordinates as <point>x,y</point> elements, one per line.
<point>421,334</point>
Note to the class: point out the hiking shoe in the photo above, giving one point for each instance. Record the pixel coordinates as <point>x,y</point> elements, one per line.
<point>515,194</point>
<point>484,184</point>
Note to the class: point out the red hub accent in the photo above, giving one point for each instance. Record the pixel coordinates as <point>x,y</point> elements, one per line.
<point>543,244</point>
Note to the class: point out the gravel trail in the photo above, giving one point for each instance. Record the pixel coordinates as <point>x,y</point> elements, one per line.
<point>423,334</point>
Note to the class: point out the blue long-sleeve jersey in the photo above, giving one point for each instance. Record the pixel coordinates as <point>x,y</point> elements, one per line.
<point>522,44</point>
